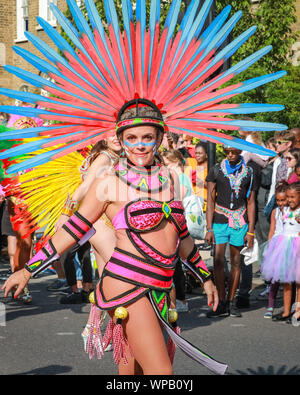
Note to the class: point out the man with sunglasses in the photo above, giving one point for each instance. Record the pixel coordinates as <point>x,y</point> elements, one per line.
<point>230,219</point>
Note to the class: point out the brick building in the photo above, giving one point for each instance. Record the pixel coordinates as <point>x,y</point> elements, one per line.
<point>16,16</point>
<point>19,15</point>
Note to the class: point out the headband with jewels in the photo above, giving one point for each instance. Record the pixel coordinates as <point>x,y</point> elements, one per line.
<point>138,112</point>
<point>104,64</point>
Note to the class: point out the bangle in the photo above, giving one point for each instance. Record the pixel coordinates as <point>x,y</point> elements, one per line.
<point>209,230</point>
<point>250,234</point>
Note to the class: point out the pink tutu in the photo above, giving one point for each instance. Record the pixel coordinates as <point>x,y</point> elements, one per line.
<point>280,259</point>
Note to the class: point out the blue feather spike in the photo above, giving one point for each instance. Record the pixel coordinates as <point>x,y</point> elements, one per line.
<point>141,17</point>
<point>247,85</point>
<point>37,62</point>
<point>27,97</point>
<point>98,25</point>
<point>127,19</point>
<point>187,24</point>
<point>153,20</point>
<point>28,133</point>
<point>218,21</point>
<point>57,38</point>
<point>246,108</point>
<point>251,126</point>
<point>170,25</point>
<point>30,147</point>
<point>68,28</point>
<point>212,36</point>
<point>223,54</point>
<point>226,52</point>
<point>243,64</point>
<point>188,19</point>
<point>258,81</point>
<point>79,19</point>
<point>113,20</point>
<point>63,45</point>
<point>42,158</point>
<point>201,18</point>
<point>235,143</point>
<point>194,29</point>
<point>46,50</point>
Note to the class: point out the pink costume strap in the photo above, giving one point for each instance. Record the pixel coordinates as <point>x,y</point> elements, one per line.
<point>42,259</point>
<point>146,214</point>
<point>79,228</point>
<point>141,272</point>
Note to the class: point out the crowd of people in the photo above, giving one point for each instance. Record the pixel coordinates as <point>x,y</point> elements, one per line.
<point>244,199</point>
<point>251,205</point>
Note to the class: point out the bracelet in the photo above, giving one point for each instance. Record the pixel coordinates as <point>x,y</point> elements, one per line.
<point>209,230</point>
<point>250,234</point>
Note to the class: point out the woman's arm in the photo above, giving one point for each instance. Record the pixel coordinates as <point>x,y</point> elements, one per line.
<point>74,231</point>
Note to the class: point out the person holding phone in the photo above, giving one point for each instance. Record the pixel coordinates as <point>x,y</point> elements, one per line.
<point>230,218</point>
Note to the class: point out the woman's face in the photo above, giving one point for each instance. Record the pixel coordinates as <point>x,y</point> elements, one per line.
<point>291,160</point>
<point>200,155</point>
<point>113,143</point>
<point>140,144</point>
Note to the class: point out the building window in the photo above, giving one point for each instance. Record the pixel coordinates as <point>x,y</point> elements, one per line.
<point>22,19</point>
<point>45,12</point>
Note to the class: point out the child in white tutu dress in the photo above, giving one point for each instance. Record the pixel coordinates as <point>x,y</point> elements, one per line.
<point>281,254</point>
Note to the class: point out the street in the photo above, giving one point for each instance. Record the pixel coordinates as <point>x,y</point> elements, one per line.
<point>44,338</point>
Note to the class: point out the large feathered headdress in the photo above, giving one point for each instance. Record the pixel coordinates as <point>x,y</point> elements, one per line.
<point>109,67</point>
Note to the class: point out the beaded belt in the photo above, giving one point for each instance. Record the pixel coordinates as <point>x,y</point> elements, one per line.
<point>235,217</point>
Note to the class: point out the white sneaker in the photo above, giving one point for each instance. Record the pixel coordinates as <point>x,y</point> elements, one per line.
<point>181,307</point>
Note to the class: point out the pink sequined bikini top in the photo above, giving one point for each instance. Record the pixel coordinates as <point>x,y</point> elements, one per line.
<point>143,215</point>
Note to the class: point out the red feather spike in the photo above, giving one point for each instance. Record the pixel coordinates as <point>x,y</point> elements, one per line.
<point>117,58</point>
<point>175,84</point>
<point>138,60</point>
<point>157,62</point>
<point>108,63</point>
<point>146,61</point>
<point>125,51</point>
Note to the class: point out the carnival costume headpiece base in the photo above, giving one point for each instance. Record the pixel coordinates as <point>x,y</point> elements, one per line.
<point>109,67</point>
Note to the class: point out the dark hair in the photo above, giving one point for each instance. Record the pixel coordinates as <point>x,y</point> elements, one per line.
<point>297,165</point>
<point>202,145</point>
<point>295,152</point>
<point>295,186</point>
<point>281,188</point>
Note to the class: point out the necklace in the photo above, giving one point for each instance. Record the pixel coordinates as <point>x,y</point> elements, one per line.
<point>148,179</point>
<point>235,178</point>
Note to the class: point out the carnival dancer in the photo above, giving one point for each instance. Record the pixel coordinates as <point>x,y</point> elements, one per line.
<point>128,275</point>
<point>276,229</point>
<point>281,255</point>
<point>230,219</point>
<point>103,71</point>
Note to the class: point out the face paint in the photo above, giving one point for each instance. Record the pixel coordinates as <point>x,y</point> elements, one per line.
<point>152,144</point>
